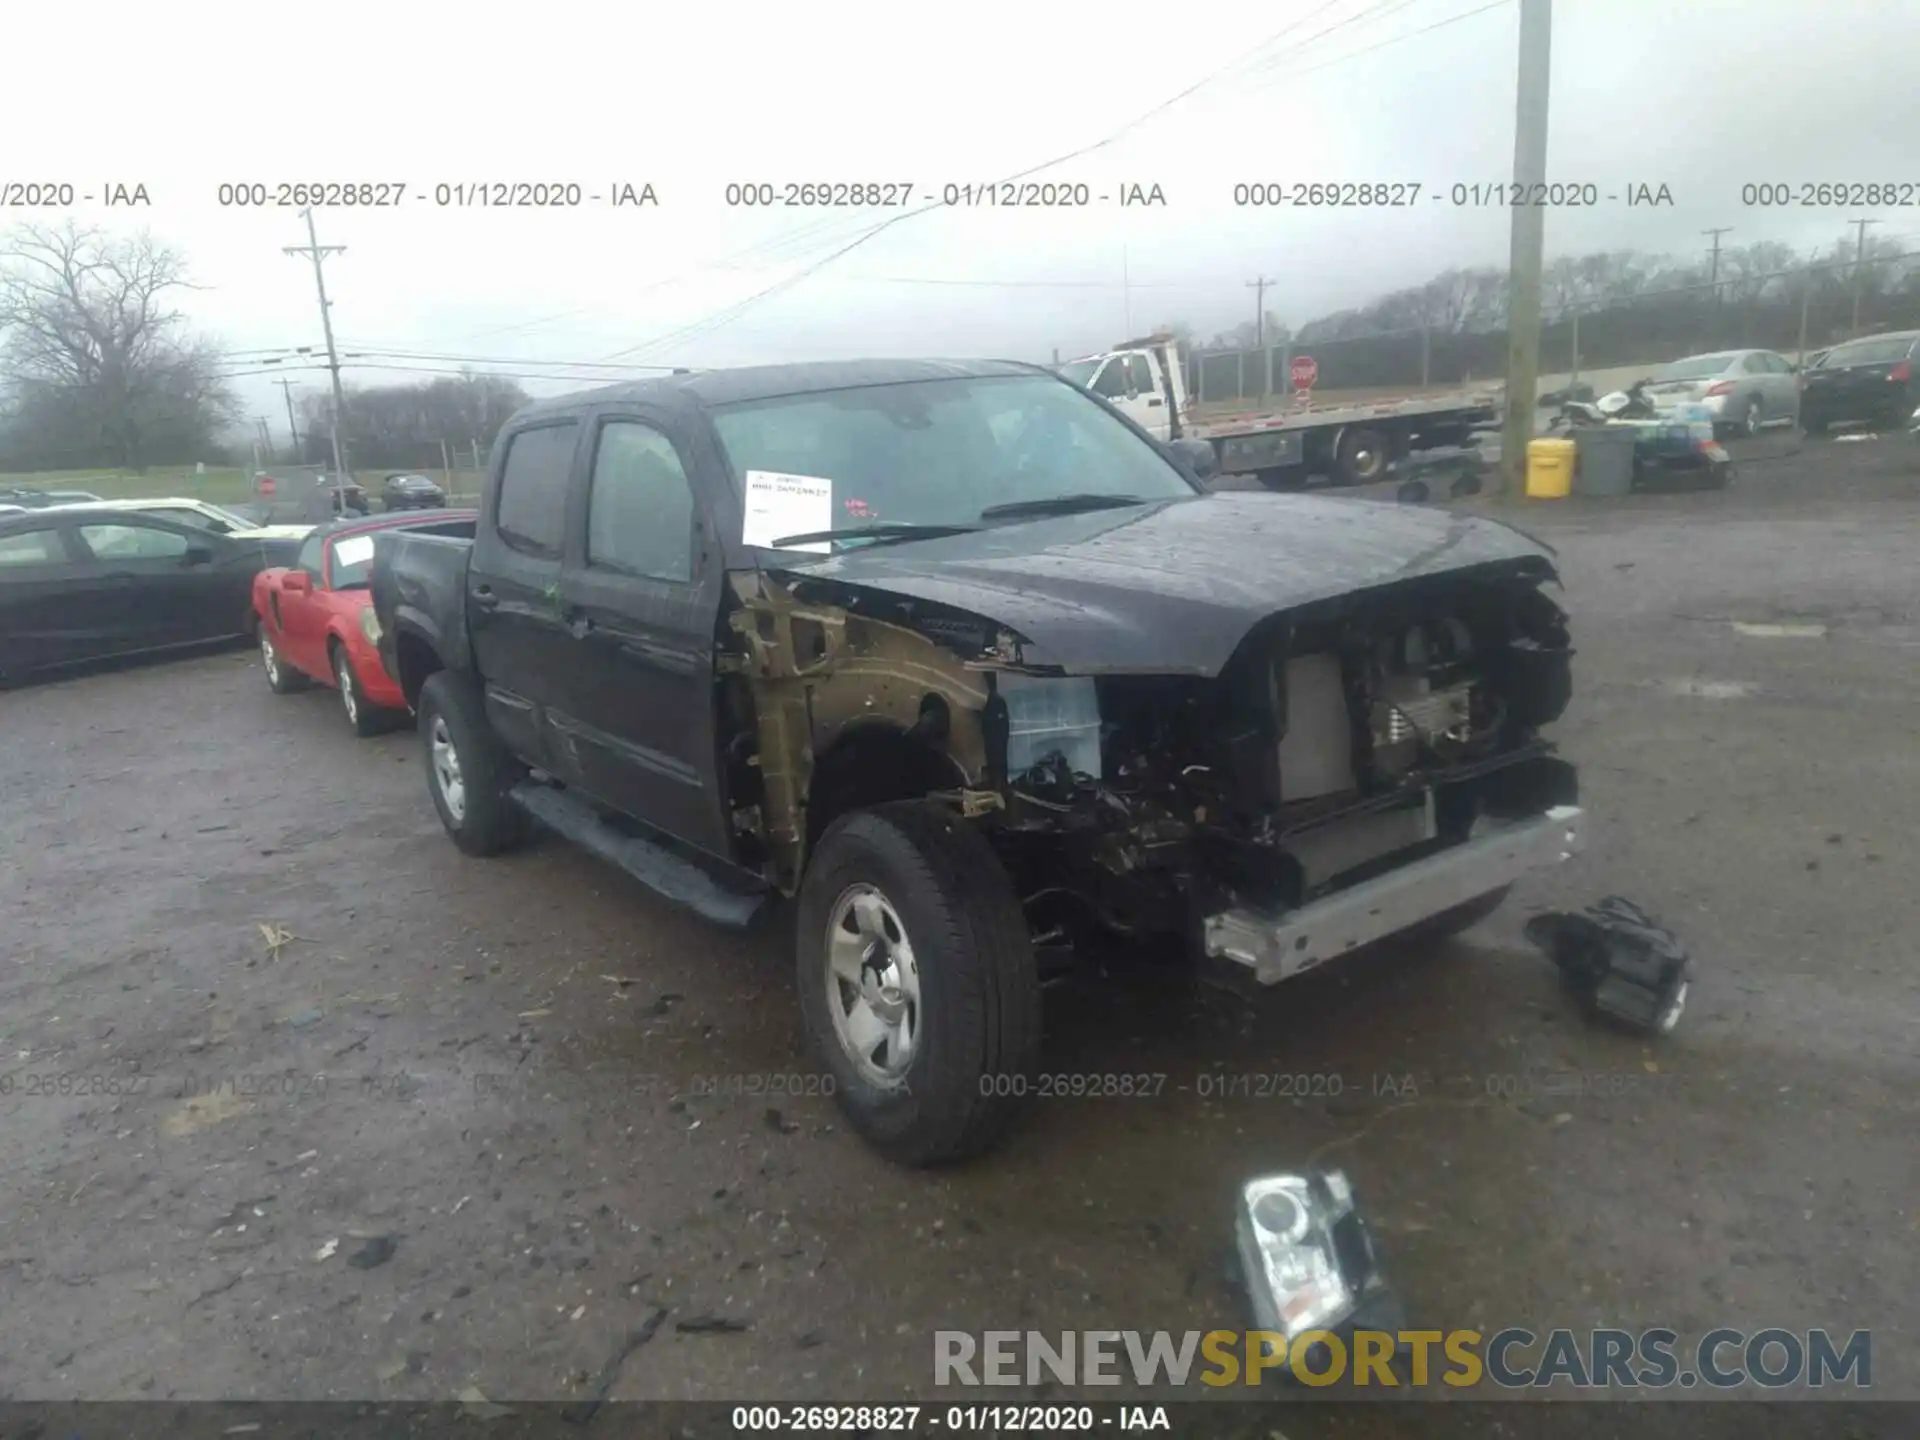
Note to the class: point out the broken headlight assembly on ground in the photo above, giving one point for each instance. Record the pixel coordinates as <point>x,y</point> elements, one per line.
<point>1620,963</point>
<point>1308,1263</point>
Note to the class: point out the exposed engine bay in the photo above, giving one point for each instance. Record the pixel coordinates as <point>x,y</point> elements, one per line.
<point>1342,739</point>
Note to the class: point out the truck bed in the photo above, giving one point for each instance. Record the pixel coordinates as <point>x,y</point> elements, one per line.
<point>422,579</point>
<point>1239,417</point>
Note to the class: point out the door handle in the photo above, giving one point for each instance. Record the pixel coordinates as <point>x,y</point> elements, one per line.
<point>484,597</point>
<point>1153,402</point>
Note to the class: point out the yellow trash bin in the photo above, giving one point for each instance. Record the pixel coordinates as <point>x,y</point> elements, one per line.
<point>1550,469</point>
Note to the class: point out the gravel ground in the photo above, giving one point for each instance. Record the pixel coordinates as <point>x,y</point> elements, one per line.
<point>302,1104</point>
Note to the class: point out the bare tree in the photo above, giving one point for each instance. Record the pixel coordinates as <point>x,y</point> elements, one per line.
<point>95,357</point>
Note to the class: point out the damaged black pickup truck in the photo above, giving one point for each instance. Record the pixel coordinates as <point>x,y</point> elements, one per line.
<point>965,663</point>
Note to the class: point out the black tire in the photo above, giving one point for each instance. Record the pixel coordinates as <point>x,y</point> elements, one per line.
<point>367,719</point>
<point>1363,456</point>
<point>282,678</point>
<point>486,822</point>
<point>1814,427</point>
<point>1463,916</point>
<point>978,1021</point>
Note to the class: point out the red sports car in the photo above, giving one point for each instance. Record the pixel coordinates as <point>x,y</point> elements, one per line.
<point>317,622</point>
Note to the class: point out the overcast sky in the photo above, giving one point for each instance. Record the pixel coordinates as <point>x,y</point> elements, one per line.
<point>1700,95</point>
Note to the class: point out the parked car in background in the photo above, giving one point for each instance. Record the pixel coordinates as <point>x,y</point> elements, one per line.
<point>344,495</point>
<point>1740,390</point>
<point>1868,381</point>
<point>80,585</point>
<point>278,542</point>
<point>40,499</point>
<point>408,490</point>
<point>316,617</point>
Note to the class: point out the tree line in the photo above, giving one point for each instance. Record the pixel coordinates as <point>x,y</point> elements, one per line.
<point>99,368</point>
<point>1631,305</point>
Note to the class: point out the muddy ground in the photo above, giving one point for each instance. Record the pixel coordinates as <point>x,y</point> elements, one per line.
<point>303,1104</point>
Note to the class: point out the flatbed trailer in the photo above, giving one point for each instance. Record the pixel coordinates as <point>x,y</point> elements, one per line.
<point>1350,440</point>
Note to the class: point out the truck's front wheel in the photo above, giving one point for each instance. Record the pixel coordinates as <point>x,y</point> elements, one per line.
<point>917,981</point>
<point>468,770</point>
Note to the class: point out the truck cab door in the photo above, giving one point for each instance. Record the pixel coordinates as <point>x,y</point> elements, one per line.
<point>1127,383</point>
<point>641,598</point>
<point>513,594</point>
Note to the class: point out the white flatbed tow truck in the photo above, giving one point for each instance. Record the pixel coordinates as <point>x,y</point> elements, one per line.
<point>1284,445</point>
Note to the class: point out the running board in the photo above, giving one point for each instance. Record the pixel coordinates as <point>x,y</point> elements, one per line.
<point>662,870</point>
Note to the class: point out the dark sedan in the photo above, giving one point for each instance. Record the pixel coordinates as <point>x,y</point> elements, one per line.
<point>409,491</point>
<point>1869,382</point>
<point>77,586</point>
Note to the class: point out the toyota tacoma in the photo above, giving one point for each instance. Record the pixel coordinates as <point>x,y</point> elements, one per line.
<point>964,664</point>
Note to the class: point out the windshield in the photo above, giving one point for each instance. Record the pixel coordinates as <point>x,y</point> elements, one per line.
<point>352,562</point>
<point>1697,367</point>
<point>1080,372</point>
<point>939,452</point>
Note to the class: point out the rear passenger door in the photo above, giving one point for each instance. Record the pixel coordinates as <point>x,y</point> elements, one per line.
<point>641,597</point>
<point>513,591</point>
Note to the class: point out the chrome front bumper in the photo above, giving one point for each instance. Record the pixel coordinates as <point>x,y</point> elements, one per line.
<point>1277,947</point>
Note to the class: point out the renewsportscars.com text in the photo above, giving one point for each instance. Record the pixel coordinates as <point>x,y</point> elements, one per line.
<point>1511,1359</point>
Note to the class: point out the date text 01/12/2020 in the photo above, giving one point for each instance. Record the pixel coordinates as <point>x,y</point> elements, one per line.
<point>978,195</point>
<point>1474,195</point>
<point>457,195</point>
<point>923,1419</point>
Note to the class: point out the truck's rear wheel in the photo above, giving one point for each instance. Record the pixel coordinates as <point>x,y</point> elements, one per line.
<point>1362,457</point>
<point>468,770</point>
<point>917,981</point>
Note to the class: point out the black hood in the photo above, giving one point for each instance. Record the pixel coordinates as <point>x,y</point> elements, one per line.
<point>1173,587</point>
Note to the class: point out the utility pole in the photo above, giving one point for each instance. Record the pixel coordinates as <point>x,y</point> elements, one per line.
<point>1259,288</point>
<point>1526,245</point>
<point>293,431</point>
<point>1713,278</point>
<point>318,252</point>
<point>1859,272</point>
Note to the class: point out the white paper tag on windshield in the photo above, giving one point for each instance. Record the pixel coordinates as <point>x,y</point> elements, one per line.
<point>779,504</point>
<point>353,549</point>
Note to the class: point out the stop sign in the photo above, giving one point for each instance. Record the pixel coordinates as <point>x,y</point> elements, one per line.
<point>1303,372</point>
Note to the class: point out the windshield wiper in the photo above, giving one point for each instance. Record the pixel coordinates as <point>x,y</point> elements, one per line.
<point>881,530</point>
<point>1059,505</point>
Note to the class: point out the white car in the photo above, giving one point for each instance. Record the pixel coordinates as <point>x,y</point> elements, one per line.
<point>200,514</point>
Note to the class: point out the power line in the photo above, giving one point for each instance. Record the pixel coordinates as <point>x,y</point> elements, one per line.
<point>1383,44</point>
<point>723,316</point>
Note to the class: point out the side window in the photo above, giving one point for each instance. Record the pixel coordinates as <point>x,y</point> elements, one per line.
<point>1140,374</point>
<point>309,557</point>
<point>133,542</point>
<point>530,510</point>
<point>32,547</point>
<point>1755,365</point>
<point>193,518</point>
<point>640,510</point>
<point>1112,379</point>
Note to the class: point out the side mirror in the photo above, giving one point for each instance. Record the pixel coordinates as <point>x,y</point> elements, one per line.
<point>198,555</point>
<point>297,582</point>
<point>1196,456</point>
